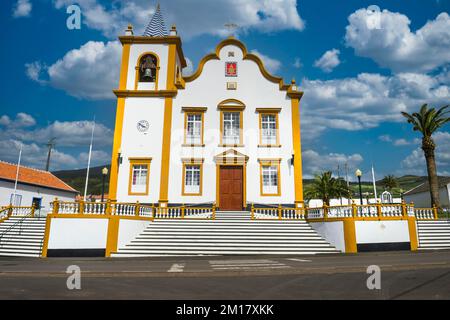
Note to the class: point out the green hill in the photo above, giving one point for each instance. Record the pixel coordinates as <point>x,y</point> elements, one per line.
<point>77,179</point>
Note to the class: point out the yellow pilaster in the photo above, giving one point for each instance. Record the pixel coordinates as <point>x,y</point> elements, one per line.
<point>167,128</point>
<point>46,236</point>
<point>412,227</point>
<point>350,236</point>
<point>165,153</point>
<point>113,235</point>
<point>171,67</point>
<point>119,123</point>
<point>296,140</point>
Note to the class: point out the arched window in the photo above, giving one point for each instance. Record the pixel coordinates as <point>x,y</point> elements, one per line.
<point>148,66</point>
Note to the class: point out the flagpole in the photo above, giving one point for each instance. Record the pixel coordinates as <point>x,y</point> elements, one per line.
<point>89,160</point>
<point>374,184</point>
<point>17,176</point>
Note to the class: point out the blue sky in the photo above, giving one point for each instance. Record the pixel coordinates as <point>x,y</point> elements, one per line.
<point>357,76</point>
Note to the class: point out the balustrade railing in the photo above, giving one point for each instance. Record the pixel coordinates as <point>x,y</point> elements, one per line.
<point>131,209</point>
<point>280,213</point>
<point>369,211</point>
<point>14,211</point>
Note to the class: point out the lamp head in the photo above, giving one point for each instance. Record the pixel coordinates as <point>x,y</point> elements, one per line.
<point>105,171</point>
<point>358,173</point>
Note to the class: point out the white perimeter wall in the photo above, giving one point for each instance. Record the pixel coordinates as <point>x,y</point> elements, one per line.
<point>87,233</point>
<point>28,192</point>
<point>73,233</point>
<point>333,232</point>
<point>381,231</point>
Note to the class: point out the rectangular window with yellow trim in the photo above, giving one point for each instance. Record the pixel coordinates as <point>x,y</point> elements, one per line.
<point>269,129</point>
<point>231,128</point>
<point>270,178</point>
<point>192,179</point>
<point>194,128</point>
<point>139,177</point>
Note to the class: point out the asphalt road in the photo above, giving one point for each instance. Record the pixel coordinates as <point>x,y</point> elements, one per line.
<point>404,275</point>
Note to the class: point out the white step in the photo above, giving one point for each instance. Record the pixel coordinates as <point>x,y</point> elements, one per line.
<point>229,233</point>
<point>434,235</point>
<point>22,236</point>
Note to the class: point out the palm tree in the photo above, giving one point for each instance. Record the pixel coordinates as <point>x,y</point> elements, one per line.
<point>427,121</point>
<point>325,187</point>
<point>389,182</point>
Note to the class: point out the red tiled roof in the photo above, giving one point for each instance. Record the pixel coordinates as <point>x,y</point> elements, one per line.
<point>32,176</point>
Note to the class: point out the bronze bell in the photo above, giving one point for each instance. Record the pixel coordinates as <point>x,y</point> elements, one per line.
<point>147,72</point>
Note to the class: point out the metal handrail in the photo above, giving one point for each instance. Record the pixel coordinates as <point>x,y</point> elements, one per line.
<point>11,227</point>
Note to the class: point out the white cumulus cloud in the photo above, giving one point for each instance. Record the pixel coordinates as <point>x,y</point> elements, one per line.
<point>328,61</point>
<point>271,64</point>
<point>90,72</point>
<point>395,46</point>
<point>22,8</point>
<point>192,18</point>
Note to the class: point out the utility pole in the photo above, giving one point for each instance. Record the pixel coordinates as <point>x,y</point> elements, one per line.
<point>50,145</point>
<point>339,179</point>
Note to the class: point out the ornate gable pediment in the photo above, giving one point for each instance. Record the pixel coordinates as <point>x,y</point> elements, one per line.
<point>231,156</point>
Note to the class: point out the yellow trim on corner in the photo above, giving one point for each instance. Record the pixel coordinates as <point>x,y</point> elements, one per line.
<point>135,162</point>
<point>350,236</point>
<point>412,228</point>
<point>112,237</point>
<point>48,222</point>
<point>136,79</point>
<point>165,151</point>
<point>296,141</point>
<point>171,67</point>
<point>265,162</point>
<point>119,123</point>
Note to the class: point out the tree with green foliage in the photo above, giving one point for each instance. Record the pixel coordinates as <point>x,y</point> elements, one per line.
<point>427,121</point>
<point>389,182</point>
<point>326,187</point>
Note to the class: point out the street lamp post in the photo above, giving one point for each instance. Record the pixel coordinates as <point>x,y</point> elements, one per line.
<point>104,174</point>
<point>358,174</point>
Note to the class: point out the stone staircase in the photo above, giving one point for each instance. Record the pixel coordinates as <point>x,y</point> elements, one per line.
<point>22,236</point>
<point>433,234</point>
<point>231,233</point>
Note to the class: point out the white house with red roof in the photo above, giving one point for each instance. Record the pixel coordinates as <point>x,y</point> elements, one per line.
<point>33,186</point>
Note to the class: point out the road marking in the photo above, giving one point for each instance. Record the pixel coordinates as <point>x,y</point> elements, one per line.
<point>246,264</point>
<point>176,267</point>
<point>253,268</point>
<point>299,260</point>
<point>240,261</point>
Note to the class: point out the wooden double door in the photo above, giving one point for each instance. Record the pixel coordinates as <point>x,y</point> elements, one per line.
<point>231,187</point>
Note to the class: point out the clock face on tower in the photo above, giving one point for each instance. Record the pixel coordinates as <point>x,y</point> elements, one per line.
<point>143,125</point>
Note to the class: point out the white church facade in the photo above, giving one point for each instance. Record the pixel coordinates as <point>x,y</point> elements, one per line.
<point>227,134</point>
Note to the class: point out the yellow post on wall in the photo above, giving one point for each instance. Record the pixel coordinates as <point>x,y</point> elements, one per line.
<point>295,96</point>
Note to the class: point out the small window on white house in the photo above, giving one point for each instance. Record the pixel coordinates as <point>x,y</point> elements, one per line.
<point>139,181</point>
<point>268,129</point>
<point>192,179</point>
<point>231,128</point>
<point>194,128</point>
<point>270,179</point>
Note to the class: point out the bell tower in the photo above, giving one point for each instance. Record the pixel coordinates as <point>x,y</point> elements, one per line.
<point>150,76</point>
